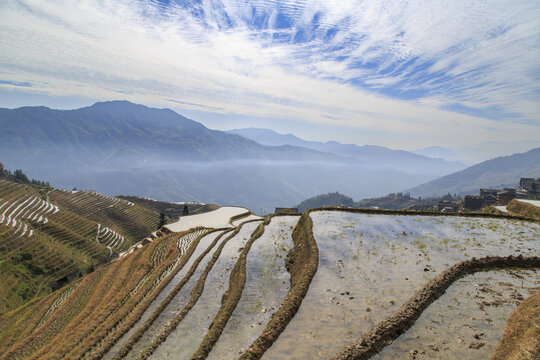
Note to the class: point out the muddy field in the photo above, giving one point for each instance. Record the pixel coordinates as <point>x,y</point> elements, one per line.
<point>369,265</point>
<point>329,284</point>
<point>468,320</point>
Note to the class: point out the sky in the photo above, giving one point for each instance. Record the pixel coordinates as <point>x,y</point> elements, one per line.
<point>401,74</point>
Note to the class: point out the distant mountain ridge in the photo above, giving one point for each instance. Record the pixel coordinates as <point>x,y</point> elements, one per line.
<point>119,147</point>
<point>495,173</point>
<point>368,154</point>
<point>438,152</point>
<point>121,126</point>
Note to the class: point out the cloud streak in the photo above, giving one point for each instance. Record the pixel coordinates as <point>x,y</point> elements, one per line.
<point>394,68</point>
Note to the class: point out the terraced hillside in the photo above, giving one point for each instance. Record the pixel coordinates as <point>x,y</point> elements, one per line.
<point>120,222</point>
<point>332,283</point>
<point>171,210</point>
<point>48,237</point>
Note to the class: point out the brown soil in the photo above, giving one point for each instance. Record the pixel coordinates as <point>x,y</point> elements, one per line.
<point>239,216</point>
<point>390,329</point>
<point>521,339</point>
<point>302,263</point>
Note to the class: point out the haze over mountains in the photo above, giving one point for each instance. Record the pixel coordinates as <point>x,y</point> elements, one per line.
<point>123,148</point>
<point>372,155</point>
<point>503,171</point>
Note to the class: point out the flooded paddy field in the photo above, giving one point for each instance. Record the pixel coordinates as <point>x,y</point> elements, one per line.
<point>468,321</point>
<point>371,264</point>
<point>179,300</point>
<point>266,286</point>
<point>185,339</point>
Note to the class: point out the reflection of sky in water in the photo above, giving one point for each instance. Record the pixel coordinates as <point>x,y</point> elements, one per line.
<point>371,264</point>
<point>183,341</point>
<point>448,327</point>
<point>266,286</point>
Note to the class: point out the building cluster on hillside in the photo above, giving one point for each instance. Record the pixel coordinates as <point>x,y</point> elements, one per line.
<point>529,188</point>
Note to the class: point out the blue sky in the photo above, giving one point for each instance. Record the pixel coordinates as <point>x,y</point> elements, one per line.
<point>403,74</point>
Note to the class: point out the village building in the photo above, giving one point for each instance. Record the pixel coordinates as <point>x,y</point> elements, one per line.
<point>473,202</point>
<point>528,188</point>
<point>505,196</point>
<point>489,196</point>
<point>447,206</point>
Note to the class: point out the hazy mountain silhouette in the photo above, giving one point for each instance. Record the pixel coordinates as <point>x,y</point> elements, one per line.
<point>373,155</point>
<point>123,148</point>
<point>495,173</point>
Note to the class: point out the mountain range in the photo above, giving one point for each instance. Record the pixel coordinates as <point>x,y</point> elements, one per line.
<point>371,155</point>
<point>119,147</point>
<point>497,173</point>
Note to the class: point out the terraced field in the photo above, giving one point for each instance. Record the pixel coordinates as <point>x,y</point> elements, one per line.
<point>331,283</point>
<point>49,237</point>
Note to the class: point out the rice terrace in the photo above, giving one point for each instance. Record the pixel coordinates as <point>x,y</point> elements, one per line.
<point>270,179</point>
<point>223,283</point>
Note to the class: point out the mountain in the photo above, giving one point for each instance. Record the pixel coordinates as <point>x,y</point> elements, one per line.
<point>370,155</point>
<point>272,138</point>
<point>438,152</point>
<point>105,131</point>
<point>482,151</point>
<point>496,173</point>
<point>119,147</point>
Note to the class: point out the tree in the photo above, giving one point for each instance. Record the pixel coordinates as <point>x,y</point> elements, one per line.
<point>162,219</point>
<point>186,210</point>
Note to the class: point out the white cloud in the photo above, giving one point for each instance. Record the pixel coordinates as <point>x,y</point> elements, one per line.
<point>473,53</point>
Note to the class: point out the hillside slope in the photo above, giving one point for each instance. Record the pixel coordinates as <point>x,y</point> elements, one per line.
<point>496,173</point>
<point>330,199</point>
<point>48,237</point>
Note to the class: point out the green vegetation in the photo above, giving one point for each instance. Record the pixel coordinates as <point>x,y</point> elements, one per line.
<point>19,177</point>
<point>171,210</point>
<point>330,199</point>
<point>396,201</point>
<point>109,300</point>
<point>50,238</point>
<point>162,219</point>
<point>392,201</point>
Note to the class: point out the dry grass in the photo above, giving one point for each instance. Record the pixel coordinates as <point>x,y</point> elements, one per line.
<point>93,313</point>
<point>521,340</point>
<point>523,209</point>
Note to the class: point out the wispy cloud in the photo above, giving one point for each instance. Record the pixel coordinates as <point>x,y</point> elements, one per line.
<point>429,71</point>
